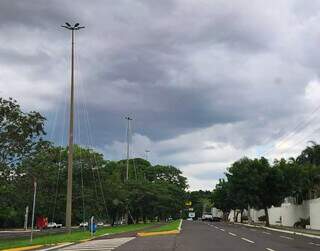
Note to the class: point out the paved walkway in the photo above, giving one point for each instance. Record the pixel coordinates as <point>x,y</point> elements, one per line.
<point>107,244</point>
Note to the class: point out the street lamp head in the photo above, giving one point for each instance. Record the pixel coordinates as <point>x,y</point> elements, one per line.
<point>75,27</point>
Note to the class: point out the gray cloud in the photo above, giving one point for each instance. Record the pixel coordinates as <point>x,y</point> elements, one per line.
<point>180,68</point>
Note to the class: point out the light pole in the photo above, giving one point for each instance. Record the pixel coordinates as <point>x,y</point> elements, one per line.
<point>70,147</point>
<point>33,207</point>
<point>147,151</point>
<point>128,146</point>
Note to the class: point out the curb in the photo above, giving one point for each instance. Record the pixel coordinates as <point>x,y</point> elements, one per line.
<point>24,248</point>
<point>144,234</point>
<point>281,230</point>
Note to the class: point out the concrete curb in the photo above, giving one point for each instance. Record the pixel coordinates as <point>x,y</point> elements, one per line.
<point>180,225</point>
<point>24,248</point>
<point>281,230</point>
<point>144,234</point>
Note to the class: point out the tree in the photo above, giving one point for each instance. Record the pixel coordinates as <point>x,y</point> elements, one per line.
<point>270,189</point>
<point>222,197</point>
<point>20,134</point>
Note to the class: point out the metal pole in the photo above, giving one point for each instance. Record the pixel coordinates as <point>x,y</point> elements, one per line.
<point>147,151</point>
<point>91,225</point>
<point>26,218</point>
<point>33,208</point>
<point>70,148</point>
<point>71,125</point>
<point>128,146</point>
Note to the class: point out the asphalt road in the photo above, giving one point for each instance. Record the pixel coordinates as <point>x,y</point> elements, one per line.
<point>218,236</point>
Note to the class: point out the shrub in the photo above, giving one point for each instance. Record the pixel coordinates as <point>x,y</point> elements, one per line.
<point>262,218</point>
<point>302,223</point>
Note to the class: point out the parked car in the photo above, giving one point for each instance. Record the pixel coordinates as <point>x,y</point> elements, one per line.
<point>54,225</point>
<point>207,217</point>
<point>83,224</point>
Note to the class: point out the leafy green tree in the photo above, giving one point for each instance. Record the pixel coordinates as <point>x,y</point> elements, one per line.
<point>20,134</point>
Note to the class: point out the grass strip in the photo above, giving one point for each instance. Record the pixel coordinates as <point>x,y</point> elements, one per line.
<point>173,225</point>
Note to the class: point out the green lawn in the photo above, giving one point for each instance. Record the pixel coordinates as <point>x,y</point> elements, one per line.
<point>173,225</point>
<point>73,237</point>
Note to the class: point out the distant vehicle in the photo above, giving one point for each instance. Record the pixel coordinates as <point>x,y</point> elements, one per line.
<point>83,224</point>
<point>207,217</point>
<point>100,224</point>
<point>190,219</point>
<point>54,225</point>
<point>42,222</point>
<point>217,214</point>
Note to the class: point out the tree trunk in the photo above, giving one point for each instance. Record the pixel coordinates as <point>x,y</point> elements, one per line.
<point>241,213</point>
<point>236,219</point>
<point>267,216</point>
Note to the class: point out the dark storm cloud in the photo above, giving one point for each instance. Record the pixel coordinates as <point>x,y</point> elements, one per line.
<point>176,66</point>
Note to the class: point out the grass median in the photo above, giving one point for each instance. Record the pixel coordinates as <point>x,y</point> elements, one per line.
<point>170,228</point>
<point>73,237</point>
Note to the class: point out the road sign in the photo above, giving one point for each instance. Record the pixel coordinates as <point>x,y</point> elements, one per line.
<point>192,214</point>
<point>188,203</point>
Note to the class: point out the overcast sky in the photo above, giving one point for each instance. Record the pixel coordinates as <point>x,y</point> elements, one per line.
<point>206,82</point>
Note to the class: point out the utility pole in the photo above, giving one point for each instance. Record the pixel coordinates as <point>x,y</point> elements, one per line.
<point>26,218</point>
<point>128,146</point>
<point>71,125</point>
<point>33,207</point>
<point>147,151</point>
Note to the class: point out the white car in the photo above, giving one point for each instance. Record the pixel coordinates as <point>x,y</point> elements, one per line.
<point>207,217</point>
<point>83,224</point>
<point>54,225</point>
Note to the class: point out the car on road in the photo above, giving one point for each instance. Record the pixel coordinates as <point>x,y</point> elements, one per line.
<point>207,217</point>
<point>54,225</point>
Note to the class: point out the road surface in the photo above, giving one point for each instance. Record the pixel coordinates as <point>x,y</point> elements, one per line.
<point>204,236</point>
<point>218,236</point>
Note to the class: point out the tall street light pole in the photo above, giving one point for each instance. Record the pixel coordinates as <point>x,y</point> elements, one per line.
<point>71,125</point>
<point>147,151</point>
<point>128,146</point>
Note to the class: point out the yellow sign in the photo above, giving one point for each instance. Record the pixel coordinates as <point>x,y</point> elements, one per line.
<point>188,203</point>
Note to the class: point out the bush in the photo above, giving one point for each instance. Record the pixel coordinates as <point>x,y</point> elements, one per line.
<point>245,217</point>
<point>262,218</point>
<point>302,223</point>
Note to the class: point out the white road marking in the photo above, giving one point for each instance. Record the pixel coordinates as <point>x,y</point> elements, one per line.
<point>232,234</point>
<point>247,240</point>
<point>216,227</point>
<point>107,244</point>
<point>270,249</point>
<point>222,229</point>
<point>316,244</point>
<point>265,232</point>
<point>286,237</point>
<point>56,247</point>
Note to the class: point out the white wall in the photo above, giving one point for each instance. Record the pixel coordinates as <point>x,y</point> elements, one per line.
<point>315,214</point>
<point>274,215</point>
<point>255,214</point>
<point>292,213</point>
